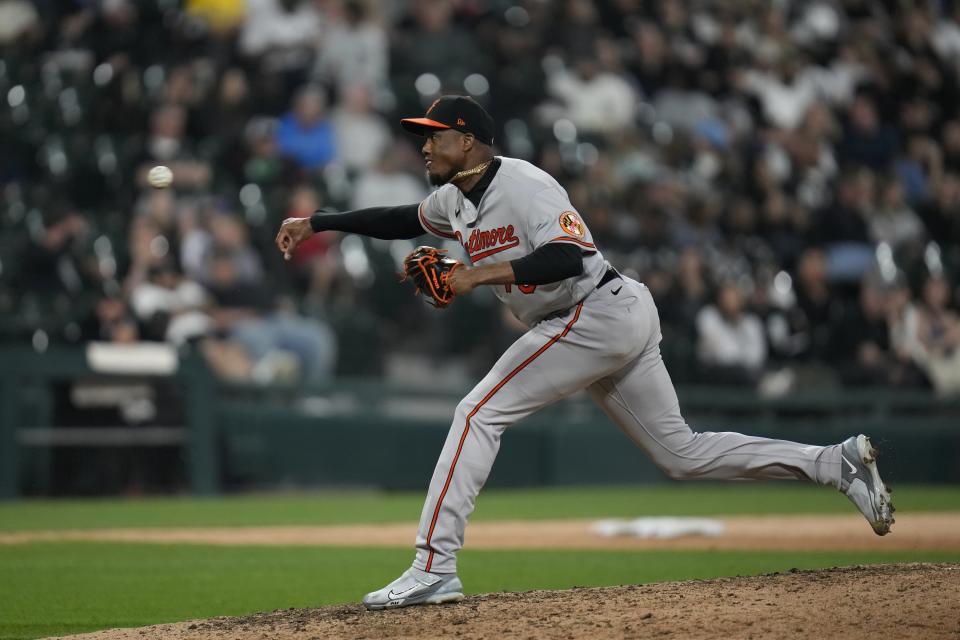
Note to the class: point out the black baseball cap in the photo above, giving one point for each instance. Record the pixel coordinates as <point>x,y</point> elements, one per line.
<point>460,113</point>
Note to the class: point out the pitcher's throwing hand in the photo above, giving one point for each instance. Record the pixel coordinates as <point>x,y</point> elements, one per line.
<point>292,233</point>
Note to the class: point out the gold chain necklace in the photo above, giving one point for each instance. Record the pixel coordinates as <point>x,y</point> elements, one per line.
<point>466,173</point>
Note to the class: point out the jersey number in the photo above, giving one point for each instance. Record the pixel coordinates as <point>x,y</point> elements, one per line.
<point>524,288</point>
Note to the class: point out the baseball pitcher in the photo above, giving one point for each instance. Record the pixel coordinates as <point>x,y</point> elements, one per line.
<point>589,328</point>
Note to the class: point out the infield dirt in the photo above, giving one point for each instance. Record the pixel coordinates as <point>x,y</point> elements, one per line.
<point>888,601</point>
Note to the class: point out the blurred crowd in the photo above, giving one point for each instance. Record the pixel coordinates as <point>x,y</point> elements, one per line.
<point>785,176</point>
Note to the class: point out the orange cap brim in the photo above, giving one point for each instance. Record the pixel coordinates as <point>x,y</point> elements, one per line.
<point>419,125</point>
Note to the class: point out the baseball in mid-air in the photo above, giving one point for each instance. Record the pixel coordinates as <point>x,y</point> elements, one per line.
<point>160,177</point>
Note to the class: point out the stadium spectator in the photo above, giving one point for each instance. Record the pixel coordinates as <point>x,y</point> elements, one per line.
<point>893,221</point>
<point>18,19</point>
<point>387,182</point>
<point>110,321</point>
<point>709,142</point>
<point>867,141</point>
<point>595,100</point>
<point>305,134</point>
<point>430,46</point>
<point>842,226</point>
<point>169,146</point>
<point>819,307</point>
<point>938,332</point>
<point>903,320</point>
<point>53,260</point>
<point>170,307</point>
<point>689,293</point>
<point>223,116</point>
<point>355,48</point>
<point>282,34</point>
<point>222,16</point>
<point>519,81</point>
<point>119,31</point>
<point>263,163</point>
<point>226,235</point>
<point>730,340</point>
<point>951,145</point>
<point>774,301</point>
<point>245,312</point>
<point>813,160</point>
<point>785,93</point>
<point>361,134</point>
<point>650,64</point>
<point>921,168</point>
<point>860,345</point>
<point>784,225</point>
<point>941,213</point>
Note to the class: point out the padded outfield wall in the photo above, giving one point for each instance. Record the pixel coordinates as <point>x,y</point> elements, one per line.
<point>69,427</point>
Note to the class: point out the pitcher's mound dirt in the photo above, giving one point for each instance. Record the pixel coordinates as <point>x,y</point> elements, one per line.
<point>869,602</point>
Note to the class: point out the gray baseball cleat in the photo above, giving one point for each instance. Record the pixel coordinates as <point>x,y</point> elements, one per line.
<point>416,587</point>
<point>860,481</point>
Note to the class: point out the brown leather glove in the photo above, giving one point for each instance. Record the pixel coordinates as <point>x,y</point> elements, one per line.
<point>430,269</point>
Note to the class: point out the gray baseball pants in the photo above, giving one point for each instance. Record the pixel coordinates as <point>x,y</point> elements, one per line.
<point>610,345</point>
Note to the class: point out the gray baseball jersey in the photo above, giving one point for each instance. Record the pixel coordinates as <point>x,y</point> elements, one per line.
<point>605,339</point>
<point>523,209</point>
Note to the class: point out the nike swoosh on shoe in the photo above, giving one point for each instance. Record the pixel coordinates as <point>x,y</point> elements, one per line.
<point>853,469</point>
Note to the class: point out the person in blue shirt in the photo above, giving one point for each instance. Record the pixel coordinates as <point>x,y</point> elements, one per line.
<point>304,134</point>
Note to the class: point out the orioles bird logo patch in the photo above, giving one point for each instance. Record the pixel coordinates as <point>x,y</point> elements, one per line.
<point>572,224</point>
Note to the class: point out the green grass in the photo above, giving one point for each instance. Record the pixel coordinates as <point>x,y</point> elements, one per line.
<point>368,507</point>
<point>59,588</point>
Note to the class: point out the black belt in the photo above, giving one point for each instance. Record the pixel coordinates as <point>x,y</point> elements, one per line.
<point>611,274</point>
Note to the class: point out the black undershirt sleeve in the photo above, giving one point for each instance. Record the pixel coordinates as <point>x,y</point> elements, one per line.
<point>552,262</point>
<point>386,223</point>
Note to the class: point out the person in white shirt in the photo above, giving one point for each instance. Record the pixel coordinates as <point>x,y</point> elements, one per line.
<point>730,339</point>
